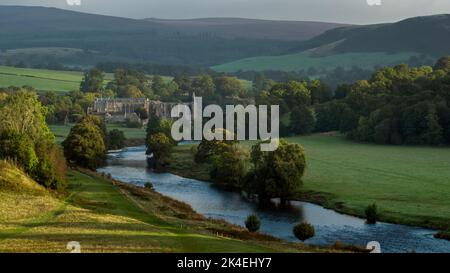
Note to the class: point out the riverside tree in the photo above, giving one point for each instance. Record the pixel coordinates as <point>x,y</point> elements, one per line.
<point>159,146</point>
<point>276,174</point>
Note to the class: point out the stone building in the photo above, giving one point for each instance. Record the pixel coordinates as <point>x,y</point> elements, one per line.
<point>123,109</point>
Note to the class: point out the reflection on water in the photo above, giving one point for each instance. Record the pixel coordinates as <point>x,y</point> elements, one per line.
<point>130,166</point>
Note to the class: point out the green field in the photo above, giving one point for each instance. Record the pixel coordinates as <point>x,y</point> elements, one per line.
<point>410,185</point>
<point>40,79</point>
<point>107,216</point>
<point>62,131</point>
<point>303,61</point>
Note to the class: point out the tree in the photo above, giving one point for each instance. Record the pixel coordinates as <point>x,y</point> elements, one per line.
<point>23,113</point>
<point>229,166</point>
<point>304,231</point>
<point>116,139</point>
<point>302,120</point>
<point>157,125</point>
<point>52,167</point>
<point>159,146</point>
<point>443,64</point>
<point>142,113</point>
<point>19,148</point>
<point>320,93</point>
<point>228,86</point>
<point>278,173</point>
<point>26,138</point>
<point>92,81</point>
<point>204,86</point>
<point>372,214</point>
<point>252,223</point>
<point>85,145</point>
<point>129,91</point>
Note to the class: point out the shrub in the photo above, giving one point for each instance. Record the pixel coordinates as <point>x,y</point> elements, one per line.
<point>304,231</point>
<point>372,214</point>
<point>252,223</point>
<point>52,168</point>
<point>148,185</point>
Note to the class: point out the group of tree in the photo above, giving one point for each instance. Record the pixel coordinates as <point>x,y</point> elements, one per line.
<point>159,142</point>
<point>296,100</point>
<point>25,138</point>
<point>399,105</point>
<point>276,174</point>
<point>129,83</point>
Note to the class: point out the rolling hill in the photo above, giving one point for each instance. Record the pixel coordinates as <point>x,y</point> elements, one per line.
<point>241,28</point>
<point>421,38</point>
<point>89,38</point>
<point>426,35</point>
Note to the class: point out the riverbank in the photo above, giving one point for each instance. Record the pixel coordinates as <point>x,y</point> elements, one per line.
<point>105,215</point>
<point>409,184</point>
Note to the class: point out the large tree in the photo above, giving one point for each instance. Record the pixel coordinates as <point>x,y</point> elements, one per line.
<point>92,81</point>
<point>85,145</point>
<point>26,138</point>
<point>278,173</point>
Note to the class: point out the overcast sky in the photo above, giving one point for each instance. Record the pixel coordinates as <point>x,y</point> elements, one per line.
<point>345,11</point>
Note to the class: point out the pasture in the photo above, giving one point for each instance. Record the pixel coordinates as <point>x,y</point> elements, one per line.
<point>304,61</point>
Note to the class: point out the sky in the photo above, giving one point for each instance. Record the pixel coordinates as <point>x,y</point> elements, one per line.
<point>342,11</point>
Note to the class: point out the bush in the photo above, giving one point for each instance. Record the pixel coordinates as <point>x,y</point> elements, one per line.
<point>304,231</point>
<point>252,223</point>
<point>148,185</point>
<point>372,214</point>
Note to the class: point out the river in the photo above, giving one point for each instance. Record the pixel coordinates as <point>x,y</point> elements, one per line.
<point>130,166</point>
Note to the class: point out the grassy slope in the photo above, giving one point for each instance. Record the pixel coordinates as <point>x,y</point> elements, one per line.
<point>299,61</point>
<point>42,80</point>
<point>409,184</point>
<point>106,216</point>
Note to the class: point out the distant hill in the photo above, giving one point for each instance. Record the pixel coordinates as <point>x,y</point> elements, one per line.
<point>427,35</point>
<point>419,40</point>
<point>233,28</point>
<point>97,38</point>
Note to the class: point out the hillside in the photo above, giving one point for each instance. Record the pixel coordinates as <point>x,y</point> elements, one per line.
<point>241,28</point>
<point>426,35</point>
<point>85,39</point>
<point>107,216</point>
<point>420,39</point>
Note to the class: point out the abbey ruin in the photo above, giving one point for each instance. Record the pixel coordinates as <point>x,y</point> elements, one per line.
<point>126,109</point>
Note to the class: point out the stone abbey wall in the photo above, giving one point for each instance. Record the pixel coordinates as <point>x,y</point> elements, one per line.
<point>119,109</point>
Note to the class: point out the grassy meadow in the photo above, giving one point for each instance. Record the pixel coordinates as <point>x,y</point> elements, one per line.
<point>109,216</point>
<point>40,79</point>
<point>304,61</point>
<point>51,80</point>
<point>410,185</point>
